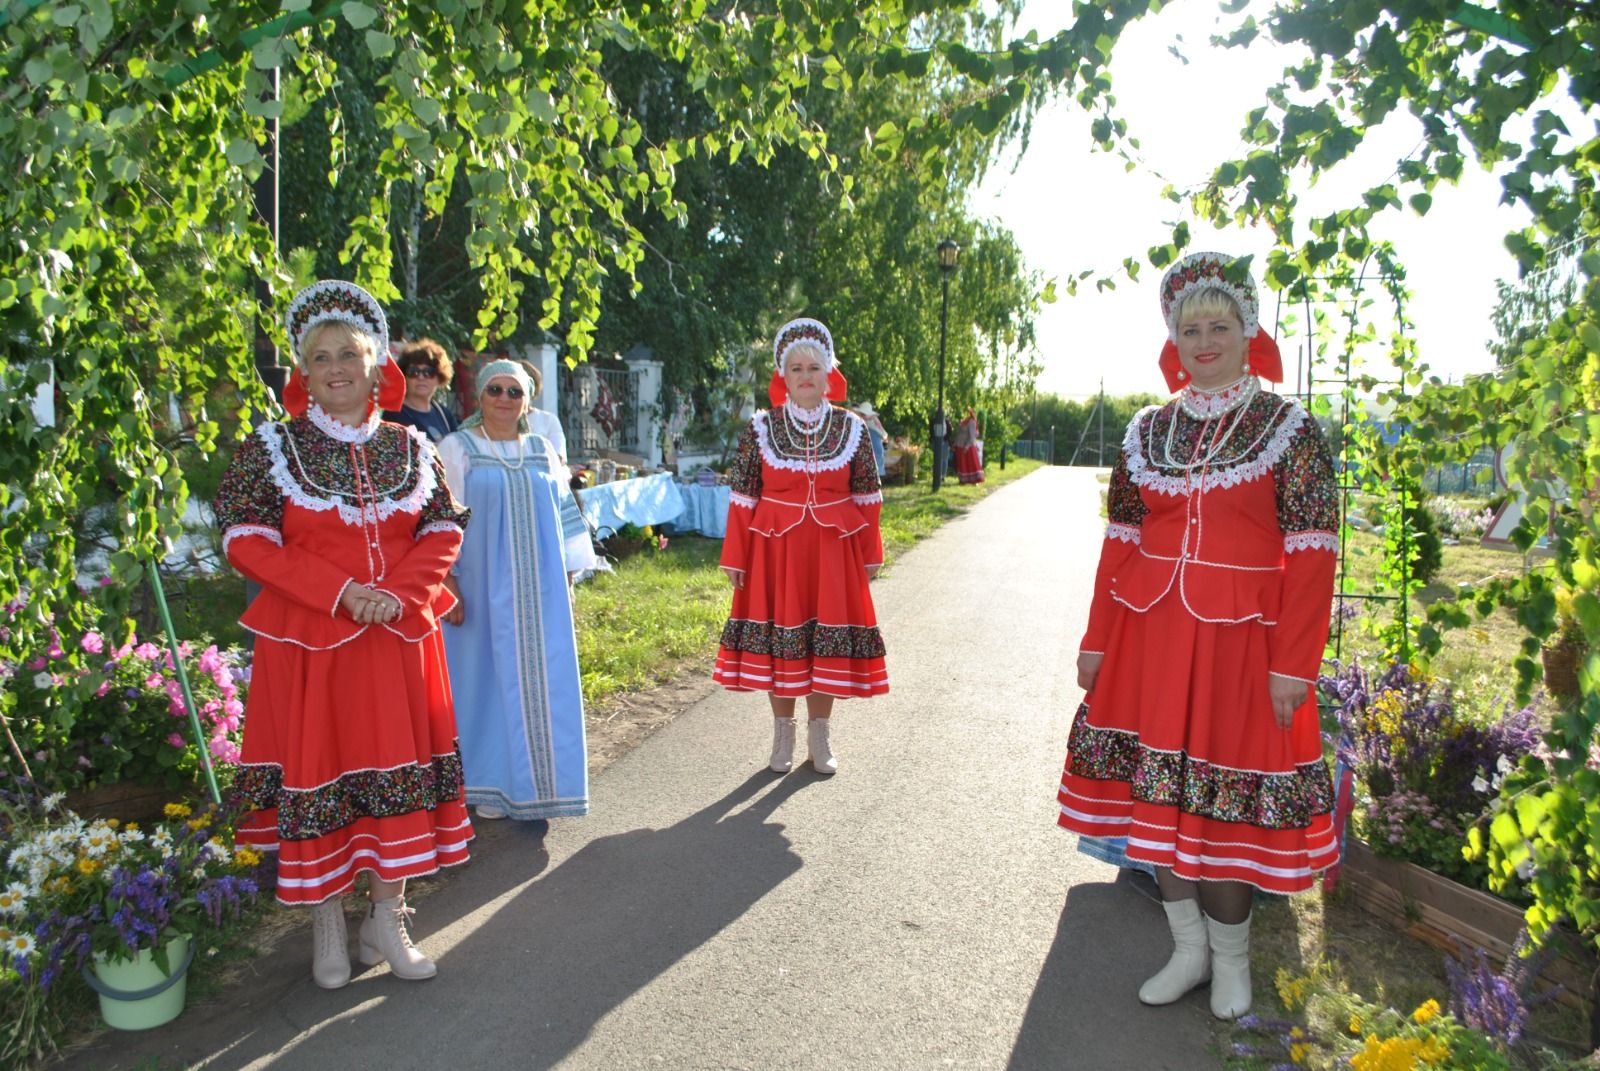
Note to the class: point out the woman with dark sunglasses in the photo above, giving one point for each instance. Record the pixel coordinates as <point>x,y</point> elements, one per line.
<point>511,649</point>
<point>427,368</point>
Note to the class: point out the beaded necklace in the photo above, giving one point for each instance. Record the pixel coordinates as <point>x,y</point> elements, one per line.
<point>808,427</point>
<point>365,494</point>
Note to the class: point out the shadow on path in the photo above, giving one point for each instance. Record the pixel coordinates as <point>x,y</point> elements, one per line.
<point>1110,939</point>
<point>528,984</point>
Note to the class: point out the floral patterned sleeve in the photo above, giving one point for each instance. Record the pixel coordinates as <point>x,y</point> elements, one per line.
<point>744,487</point>
<point>867,494</point>
<point>441,512</point>
<point>1308,494</point>
<point>1308,513</point>
<point>1125,512</point>
<point>248,502</point>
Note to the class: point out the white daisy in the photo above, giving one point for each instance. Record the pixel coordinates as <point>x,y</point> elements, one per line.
<point>21,944</point>
<point>52,801</point>
<point>218,850</point>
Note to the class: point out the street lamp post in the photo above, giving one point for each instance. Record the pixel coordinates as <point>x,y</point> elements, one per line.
<point>948,251</point>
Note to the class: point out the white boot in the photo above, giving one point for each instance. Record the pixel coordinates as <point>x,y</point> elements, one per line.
<point>1230,968</point>
<point>384,937</point>
<point>822,757</point>
<point>1190,964</point>
<point>782,745</point>
<point>330,943</point>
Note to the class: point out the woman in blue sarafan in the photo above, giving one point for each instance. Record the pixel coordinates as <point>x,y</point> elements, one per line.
<point>512,654</point>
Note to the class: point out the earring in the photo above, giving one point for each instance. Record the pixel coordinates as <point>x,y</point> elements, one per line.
<point>1246,368</point>
<point>1182,375</point>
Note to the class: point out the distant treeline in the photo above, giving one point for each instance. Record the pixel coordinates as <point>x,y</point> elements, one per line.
<point>1079,426</point>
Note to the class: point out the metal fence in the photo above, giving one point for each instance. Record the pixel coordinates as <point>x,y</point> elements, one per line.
<point>586,387</point>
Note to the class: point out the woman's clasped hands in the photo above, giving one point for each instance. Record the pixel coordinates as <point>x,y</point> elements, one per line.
<point>368,606</point>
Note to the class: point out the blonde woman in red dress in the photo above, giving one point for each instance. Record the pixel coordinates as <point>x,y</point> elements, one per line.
<point>1198,739</point>
<point>802,543</point>
<point>350,762</point>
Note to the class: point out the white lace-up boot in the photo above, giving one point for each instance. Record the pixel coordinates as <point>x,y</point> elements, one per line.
<point>1230,968</point>
<point>1190,964</point>
<point>384,936</point>
<point>822,757</point>
<point>782,745</point>
<point>330,943</point>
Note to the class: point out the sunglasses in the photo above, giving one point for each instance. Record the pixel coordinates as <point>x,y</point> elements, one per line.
<point>494,390</point>
<point>421,371</point>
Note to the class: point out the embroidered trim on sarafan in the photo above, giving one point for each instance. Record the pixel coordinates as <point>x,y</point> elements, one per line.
<point>1173,779</point>
<point>305,814</point>
<point>1266,427</point>
<point>271,534</point>
<point>400,459</point>
<point>840,436</point>
<point>1311,541</point>
<point>1124,533</point>
<point>809,640</point>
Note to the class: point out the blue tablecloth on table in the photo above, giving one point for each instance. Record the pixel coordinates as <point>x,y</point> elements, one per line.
<point>705,510</point>
<point>643,500</point>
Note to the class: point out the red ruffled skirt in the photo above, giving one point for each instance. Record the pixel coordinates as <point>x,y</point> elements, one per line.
<point>1177,750</point>
<point>350,763</point>
<point>803,622</point>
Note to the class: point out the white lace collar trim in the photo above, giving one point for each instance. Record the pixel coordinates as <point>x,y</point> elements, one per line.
<point>422,457</point>
<point>1201,404</point>
<point>852,440</point>
<point>1143,474</point>
<point>808,418</point>
<point>338,429</point>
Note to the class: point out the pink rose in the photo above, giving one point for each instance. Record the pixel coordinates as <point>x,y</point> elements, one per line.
<point>92,642</point>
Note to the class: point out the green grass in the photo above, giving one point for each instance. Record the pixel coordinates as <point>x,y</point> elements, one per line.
<point>1477,659</point>
<point>660,613</point>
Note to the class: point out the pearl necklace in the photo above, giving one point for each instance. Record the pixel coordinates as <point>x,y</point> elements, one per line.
<point>522,455</point>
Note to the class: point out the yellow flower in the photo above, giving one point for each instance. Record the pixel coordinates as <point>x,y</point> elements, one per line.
<point>1299,1052</point>
<point>131,827</point>
<point>1393,1054</point>
<point>245,857</point>
<point>177,810</point>
<point>113,823</point>
<point>1434,1052</point>
<point>87,865</point>
<point>197,823</point>
<point>1291,990</point>
<point>1428,1009</point>
<point>1355,1025</point>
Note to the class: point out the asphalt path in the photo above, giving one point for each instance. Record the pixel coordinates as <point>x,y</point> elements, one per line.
<point>918,910</point>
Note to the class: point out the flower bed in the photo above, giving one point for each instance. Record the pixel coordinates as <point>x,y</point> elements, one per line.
<point>96,713</point>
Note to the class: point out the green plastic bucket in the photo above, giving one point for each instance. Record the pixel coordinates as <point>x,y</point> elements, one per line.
<point>134,994</point>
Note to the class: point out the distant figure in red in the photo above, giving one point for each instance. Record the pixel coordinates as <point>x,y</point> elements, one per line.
<point>1197,744</point>
<point>802,542</point>
<point>967,442</point>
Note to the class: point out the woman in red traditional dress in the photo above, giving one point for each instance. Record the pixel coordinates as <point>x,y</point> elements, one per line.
<point>1198,740</point>
<point>967,441</point>
<point>350,762</point>
<point>802,543</point>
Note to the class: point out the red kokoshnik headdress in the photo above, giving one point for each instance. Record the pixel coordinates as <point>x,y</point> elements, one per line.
<point>335,299</point>
<point>806,329</point>
<point>1216,271</point>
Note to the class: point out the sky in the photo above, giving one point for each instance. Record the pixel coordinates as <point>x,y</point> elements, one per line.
<point>1075,209</point>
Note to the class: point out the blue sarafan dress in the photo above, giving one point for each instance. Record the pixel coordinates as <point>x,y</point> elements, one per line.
<point>514,659</point>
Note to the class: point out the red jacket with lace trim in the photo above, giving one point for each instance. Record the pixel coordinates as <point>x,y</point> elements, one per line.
<point>1253,536</point>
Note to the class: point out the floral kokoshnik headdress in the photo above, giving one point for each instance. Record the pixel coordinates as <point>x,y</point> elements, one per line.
<point>789,335</point>
<point>347,303</point>
<point>1216,271</point>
